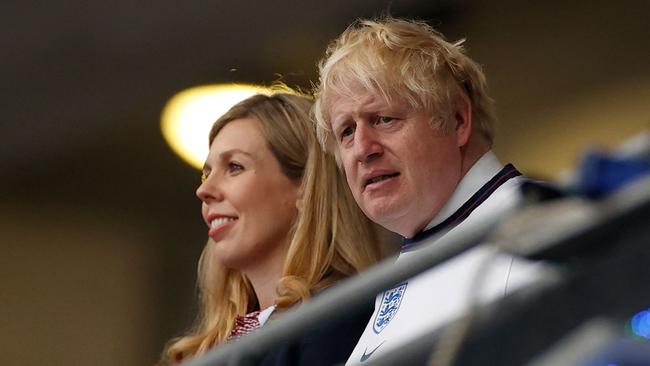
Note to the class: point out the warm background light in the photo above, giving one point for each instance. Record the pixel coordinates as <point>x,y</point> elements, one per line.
<point>189,115</point>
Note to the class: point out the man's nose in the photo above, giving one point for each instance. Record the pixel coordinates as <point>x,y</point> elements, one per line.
<point>367,145</point>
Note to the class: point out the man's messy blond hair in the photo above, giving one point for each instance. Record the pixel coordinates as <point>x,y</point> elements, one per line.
<point>405,60</point>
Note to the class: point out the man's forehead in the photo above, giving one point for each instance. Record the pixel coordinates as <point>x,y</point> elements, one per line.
<point>360,101</point>
<point>352,102</point>
<point>344,107</point>
<point>363,102</point>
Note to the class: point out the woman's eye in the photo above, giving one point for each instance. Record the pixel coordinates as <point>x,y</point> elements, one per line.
<point>204,177</point>
<point>234,167</point>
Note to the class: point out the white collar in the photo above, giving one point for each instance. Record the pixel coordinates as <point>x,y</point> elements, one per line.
<point>265,314</point>
<point>482,171</point>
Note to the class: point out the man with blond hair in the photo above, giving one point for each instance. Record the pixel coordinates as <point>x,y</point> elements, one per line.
<point>409,119</point>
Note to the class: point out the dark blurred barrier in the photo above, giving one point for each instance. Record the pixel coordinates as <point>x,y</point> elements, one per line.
<point>603,247</point>
<point>607,272</point>
<point>353,294</point>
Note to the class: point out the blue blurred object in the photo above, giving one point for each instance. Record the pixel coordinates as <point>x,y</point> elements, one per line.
<point>640,324</point>
<point>600,174</point>
<point>625,350</point>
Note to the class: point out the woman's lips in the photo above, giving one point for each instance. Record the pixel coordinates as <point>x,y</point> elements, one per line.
<point>219,224</point>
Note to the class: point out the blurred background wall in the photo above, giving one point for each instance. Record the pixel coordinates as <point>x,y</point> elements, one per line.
<point>100,230</point>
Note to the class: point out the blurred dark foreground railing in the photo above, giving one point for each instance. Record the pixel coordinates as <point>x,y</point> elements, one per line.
<point>605,261</point>
<point>353,294</point>
<point>603,247</point>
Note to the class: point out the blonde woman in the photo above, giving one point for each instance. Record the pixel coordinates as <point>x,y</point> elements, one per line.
<point>283,226</point>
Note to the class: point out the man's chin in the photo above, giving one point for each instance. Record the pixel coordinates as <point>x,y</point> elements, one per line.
<point>389,217</point>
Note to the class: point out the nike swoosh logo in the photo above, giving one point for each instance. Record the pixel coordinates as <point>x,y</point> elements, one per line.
<point>365,356</point>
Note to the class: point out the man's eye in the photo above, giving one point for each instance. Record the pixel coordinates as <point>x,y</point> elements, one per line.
<point>384,119</point>
<point>347,131</point>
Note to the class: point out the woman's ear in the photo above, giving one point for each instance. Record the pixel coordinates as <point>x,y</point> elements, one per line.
<point>299,204</point>
<point>299,198</point>
<point>463,119</point>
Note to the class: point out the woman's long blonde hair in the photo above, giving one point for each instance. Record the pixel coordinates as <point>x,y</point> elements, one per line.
<point>332,239</point>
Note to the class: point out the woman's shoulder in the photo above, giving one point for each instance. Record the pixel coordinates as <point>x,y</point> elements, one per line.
<point>330,344</point>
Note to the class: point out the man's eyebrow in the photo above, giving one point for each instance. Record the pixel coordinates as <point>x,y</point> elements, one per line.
<point>353,115</point>
<point>343,117</point>
<point>337,121</point>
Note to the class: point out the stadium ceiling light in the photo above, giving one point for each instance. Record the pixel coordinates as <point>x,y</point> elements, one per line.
<point>188,116</point>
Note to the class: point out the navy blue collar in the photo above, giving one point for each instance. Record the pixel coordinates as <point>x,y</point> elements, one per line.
<point>508,172</point>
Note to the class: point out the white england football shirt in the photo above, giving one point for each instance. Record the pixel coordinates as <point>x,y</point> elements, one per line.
<point>441,294</point>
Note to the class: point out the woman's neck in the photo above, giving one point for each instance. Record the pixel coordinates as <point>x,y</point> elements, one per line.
<point>264,277</point>
<point>265,288</point>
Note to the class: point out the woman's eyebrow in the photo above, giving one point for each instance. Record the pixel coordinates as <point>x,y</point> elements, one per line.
<point>231,152</point>
<point>224,155</point>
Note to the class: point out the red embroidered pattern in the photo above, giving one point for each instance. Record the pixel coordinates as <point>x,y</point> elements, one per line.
<point>244,324</point>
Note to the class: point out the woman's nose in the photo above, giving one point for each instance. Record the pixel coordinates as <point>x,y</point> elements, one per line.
<point>209,190</point>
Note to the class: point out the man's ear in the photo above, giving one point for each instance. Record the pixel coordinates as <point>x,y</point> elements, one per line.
<point>463,119</point>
